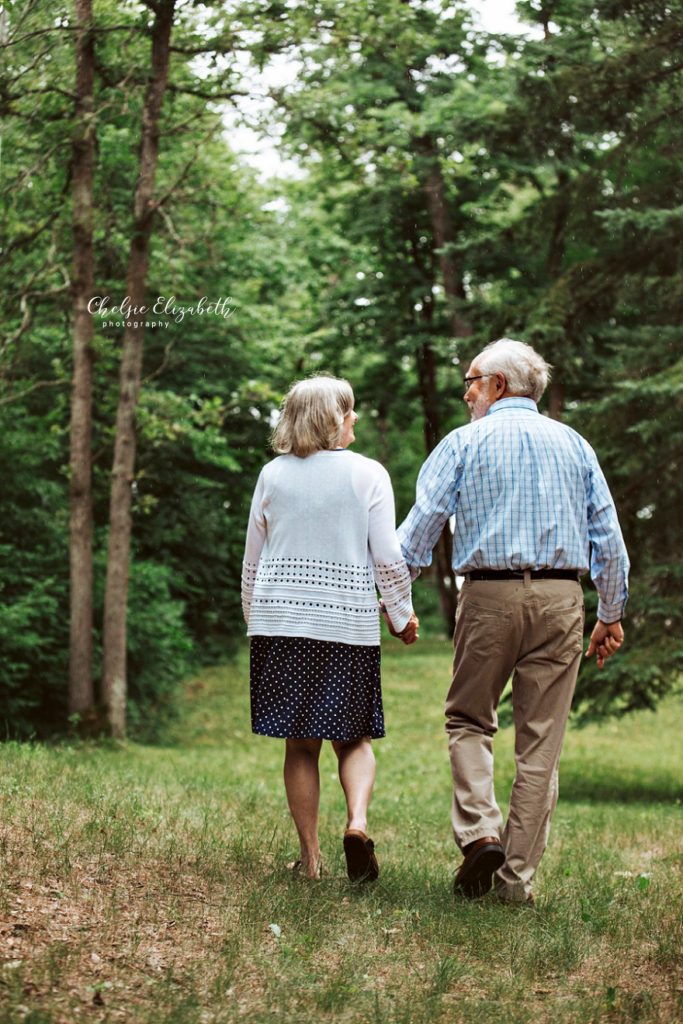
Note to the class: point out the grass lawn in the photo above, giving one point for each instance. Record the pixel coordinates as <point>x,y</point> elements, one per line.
<point>149,884</point>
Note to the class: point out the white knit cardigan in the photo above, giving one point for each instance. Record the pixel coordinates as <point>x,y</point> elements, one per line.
<point>321,537</point>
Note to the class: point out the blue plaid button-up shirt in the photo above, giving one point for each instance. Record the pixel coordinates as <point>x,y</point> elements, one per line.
<point>526,493</point>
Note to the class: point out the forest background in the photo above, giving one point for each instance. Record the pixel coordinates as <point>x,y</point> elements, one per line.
<point>453,185</point>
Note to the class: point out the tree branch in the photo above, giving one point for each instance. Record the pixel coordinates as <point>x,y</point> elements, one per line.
<point>26,239</point>
<point>180,126</point>
<point>30,67</point>
<point>212,46</point>
<point>26,310</point>
<point>45,91</point>
<point>67,28</point>
<point>207,95</point>
<point>33,387</point>
<point>162,365</point>
<point>158,203</point>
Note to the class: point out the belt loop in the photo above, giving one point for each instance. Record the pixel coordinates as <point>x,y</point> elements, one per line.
<point>527,577</point>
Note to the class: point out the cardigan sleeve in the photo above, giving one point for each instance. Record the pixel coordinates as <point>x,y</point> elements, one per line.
<point>256,538</point>
<point>391,572</point>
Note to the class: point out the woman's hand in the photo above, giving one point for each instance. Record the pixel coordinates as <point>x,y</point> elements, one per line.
<point>410,633</point>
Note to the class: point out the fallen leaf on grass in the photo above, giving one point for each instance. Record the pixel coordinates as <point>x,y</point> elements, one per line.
<point>155,960</point>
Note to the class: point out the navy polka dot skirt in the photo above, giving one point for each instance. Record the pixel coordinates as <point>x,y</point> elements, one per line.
<point>306,689</point>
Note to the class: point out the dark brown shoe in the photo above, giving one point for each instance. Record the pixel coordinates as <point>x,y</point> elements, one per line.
<point>361,862</point>
<point>475,875</point>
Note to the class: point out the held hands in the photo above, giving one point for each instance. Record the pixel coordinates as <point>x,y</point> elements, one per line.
<point>606,639</point>
<point>409,634</point>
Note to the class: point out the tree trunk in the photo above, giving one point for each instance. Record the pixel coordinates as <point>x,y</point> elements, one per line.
<point>81,691</point>
<point>558,238</point>
<point>556,403</point>
<point>556,253</point>
<point>448,594</point>
<point>114,679</point>
<point>444,237</point>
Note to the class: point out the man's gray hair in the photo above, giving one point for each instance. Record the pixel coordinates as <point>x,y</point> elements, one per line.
<point>527,374</point>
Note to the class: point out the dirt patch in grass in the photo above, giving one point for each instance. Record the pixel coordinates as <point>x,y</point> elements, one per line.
<point>632,986</point>
<point>102,939</point>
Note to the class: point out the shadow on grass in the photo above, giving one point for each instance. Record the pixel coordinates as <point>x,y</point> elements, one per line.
<point>606,788</point>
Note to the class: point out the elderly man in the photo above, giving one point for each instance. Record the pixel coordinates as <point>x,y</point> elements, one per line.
<point>532,513</point>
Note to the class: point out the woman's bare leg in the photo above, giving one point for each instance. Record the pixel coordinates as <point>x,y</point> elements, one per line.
<point>302,783</point>
<point>357,776</point>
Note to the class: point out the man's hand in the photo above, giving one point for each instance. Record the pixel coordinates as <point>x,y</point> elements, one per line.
<point>606,639</point>
<point>409,634</point>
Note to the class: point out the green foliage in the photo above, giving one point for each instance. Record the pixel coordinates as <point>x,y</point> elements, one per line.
<point>560,157</point>
<point>33,572</point>
<point>160,649</point>
<point>642,439</point>
<point>203,417</point>
<point>559,154</point>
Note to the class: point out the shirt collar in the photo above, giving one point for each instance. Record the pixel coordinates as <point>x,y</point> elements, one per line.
<point>516,402</point>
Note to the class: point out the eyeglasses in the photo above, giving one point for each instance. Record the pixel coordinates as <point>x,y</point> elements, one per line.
<point>470,380</point>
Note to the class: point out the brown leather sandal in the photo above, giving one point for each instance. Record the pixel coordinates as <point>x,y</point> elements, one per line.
<point>361,862</point>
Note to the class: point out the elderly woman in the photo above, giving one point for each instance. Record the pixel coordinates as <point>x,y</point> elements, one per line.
<point>321,538</point>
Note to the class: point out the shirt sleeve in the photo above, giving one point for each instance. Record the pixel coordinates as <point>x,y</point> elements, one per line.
<point>436,499</point>
<point>256,538</point>
<point>608,558</point>
<point>391,572</point>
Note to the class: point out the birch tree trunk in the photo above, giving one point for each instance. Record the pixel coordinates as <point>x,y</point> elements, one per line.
<point>114,679</point>
<point>81,698</point>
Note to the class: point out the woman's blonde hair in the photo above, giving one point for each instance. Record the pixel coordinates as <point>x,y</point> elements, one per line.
<point>312,416</point>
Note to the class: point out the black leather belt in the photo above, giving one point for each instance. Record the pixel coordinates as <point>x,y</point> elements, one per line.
<point>518,574</point>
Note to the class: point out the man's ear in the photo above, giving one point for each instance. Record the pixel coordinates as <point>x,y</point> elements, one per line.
<point>501,384</point>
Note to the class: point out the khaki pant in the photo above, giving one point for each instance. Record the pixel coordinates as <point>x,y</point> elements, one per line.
<point>532,630</point>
